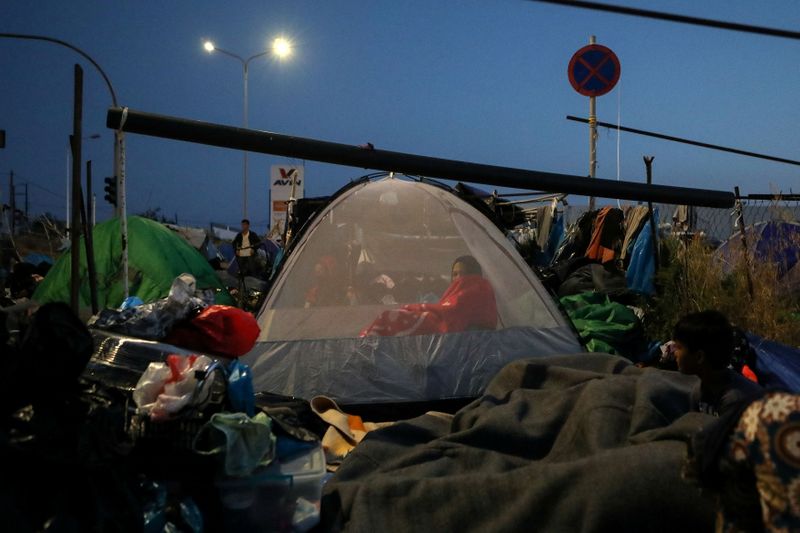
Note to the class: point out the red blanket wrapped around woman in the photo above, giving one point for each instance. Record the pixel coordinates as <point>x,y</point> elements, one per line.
<point>468,303</point>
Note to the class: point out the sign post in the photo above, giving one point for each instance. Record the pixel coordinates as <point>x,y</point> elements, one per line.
<point>287,184</point>
<point>593,71</point>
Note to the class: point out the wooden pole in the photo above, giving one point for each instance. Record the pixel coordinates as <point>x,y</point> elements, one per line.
<point>743,234</point>
<point>88,239</point>
<point>75,144</point>
<point>648,163</point>
<point>592,136</point>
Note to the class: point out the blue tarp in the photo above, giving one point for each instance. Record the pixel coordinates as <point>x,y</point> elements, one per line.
<point>642,268</point>
<point>775,241</point>
<point>36,259</point>
<point>777,365</point>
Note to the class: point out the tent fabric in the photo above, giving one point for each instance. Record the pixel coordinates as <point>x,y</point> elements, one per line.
<point>156,256</point>
<point>775,241</point>
<point>583,442</point>
<point>270,251</point>
<point>393,242</point>
<point>196,237</point>
<point>390,369</point>
<point>37,259</point>
<point>776,365</point>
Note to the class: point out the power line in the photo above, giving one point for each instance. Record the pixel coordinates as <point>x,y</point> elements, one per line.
<point>688,141</point>
<point>697,21</point>
<point>45,190</point>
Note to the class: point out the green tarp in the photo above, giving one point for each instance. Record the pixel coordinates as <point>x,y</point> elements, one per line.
<point>605,326</point>
<point>156,256</point>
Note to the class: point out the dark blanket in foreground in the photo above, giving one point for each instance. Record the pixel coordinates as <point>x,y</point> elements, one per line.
<point>566,443</point>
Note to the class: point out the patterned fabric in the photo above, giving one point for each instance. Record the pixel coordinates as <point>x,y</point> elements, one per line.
<point>767,440</point>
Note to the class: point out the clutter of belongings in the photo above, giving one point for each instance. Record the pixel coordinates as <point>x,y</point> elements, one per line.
<point>185,448</point>
<point>191,446</point>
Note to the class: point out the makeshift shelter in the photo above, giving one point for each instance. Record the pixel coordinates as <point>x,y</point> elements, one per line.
<point>197,238</point>
<point>156,255</point>
<point>379,250</point>
<point>776,242</point>
<point>267,251</point>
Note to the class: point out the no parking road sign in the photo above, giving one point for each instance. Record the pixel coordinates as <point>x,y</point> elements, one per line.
<point>594,70</point>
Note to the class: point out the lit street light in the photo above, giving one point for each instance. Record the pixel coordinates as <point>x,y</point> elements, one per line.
<point>281,48</point>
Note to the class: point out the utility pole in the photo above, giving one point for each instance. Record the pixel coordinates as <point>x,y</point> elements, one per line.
<point>13,194</point>
<point>88,240</point>
<point>592,136</point>
<point>75,143</point>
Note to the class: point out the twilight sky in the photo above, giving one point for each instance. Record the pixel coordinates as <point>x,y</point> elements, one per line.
<point>481,81</point>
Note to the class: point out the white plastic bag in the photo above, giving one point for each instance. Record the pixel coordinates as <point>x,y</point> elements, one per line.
<point>166,388</point>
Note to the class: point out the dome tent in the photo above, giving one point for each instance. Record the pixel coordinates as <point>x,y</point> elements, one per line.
<point>156,256</point>
<point>382,244</point>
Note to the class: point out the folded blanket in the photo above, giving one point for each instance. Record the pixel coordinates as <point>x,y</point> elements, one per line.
<point>566,443</point>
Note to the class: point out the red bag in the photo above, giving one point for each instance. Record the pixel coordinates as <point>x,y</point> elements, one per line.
<point>218,330</point>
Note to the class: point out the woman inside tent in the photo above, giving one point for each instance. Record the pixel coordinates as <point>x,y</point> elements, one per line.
<point>467,304</point>
<point>326,288</point>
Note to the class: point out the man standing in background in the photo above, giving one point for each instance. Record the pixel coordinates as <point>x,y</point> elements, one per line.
<point>245,244</point>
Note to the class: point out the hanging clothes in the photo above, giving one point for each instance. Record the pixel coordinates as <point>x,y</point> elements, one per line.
<point>641,271</point>
<point>683,219</point>
<point>635,218</point>
<point>576,238</point>
<point>606,236</point>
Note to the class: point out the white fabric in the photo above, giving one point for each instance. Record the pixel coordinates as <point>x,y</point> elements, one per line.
<point>246,251</point>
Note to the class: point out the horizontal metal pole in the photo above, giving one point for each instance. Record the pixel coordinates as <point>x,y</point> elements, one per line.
<point>687,141</point>
<point>778,197</point>
<point>357,156</point>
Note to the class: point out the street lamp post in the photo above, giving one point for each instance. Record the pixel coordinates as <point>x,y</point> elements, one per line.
<point>281,48</point>
<point>119,147</point>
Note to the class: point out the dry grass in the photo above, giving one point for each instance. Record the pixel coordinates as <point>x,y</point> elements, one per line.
<point>692,278</point>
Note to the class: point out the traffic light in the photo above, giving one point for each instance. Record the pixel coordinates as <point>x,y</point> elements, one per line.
<point>111,191</point>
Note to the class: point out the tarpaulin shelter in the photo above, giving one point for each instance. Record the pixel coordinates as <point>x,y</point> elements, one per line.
<point>380,247</point>
<point>776,241</point>
<point>198,238</point>
<point>157,256</point>
<point>267,249</point>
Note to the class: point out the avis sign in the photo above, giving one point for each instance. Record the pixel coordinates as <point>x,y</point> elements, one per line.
<point>282,179</point>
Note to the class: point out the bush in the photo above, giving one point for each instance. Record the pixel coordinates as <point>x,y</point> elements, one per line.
<point>692,278</point>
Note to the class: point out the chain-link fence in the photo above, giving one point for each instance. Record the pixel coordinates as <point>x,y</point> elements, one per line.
<point>717,225</point>
<point>705,263</point>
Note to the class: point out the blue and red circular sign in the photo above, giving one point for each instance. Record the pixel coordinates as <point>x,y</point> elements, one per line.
<point>594,70</point>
